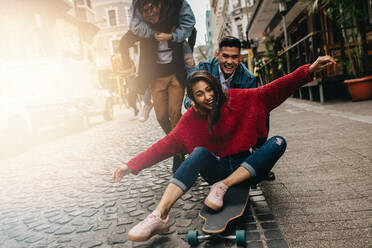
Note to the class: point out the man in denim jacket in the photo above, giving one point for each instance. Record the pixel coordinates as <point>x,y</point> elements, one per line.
<point>227,67</point>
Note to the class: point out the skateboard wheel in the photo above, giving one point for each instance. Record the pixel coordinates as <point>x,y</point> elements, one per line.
<point>192,237</point>
<point>240,237</point>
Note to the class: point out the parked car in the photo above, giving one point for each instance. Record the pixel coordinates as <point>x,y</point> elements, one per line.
<point>81,86</point>
<point>50,93</point>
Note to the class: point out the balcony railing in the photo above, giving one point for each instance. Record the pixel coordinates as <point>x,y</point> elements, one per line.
<point>304,51</point>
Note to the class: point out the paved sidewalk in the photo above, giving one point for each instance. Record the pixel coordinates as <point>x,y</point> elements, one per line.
<point>322,196</point>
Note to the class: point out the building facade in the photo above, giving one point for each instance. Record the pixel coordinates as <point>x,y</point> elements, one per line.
<point>45,29</point>
<point>293,36</point>
<point>209,34</point>
<point>218,10</point>
<point>112,17</point>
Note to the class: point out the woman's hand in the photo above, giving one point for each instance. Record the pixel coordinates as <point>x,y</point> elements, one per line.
<point>192,104</point>
<point>321,63</point>
<point>163,36</point>
<point>120,172</point>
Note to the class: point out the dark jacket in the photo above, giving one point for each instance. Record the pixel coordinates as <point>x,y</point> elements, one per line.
<point>148,68</point>
<point>243,79</point>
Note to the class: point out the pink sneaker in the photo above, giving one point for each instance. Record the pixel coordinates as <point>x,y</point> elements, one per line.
<point>214,199</point>
<point>150,226</point>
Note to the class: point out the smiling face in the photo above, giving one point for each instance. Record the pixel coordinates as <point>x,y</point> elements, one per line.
<point>151,12</point>
<point>203,95</point>
<point>229,59</point>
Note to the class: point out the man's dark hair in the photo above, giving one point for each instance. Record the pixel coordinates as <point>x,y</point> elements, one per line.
<point>169,13</point>
<point>230,41</point>
<point>141,3</point>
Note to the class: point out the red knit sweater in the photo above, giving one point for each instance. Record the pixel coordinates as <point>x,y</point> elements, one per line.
<point>239,127</point>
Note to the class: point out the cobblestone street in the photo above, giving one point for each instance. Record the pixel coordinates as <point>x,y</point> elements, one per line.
<point>60,193</point>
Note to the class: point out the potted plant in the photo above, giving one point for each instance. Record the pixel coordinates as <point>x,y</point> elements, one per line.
<point>350,16</point>
<point>272,49</point>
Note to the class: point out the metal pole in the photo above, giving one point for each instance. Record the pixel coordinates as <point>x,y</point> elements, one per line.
<point>249,55</point>
<point>285,31</point>
<point>246,8</point>
<point>286,44</point>
<point>283,11</point>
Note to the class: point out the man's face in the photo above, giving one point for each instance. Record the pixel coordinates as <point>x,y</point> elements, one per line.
<point>151,12</point>
<point>229,59</point>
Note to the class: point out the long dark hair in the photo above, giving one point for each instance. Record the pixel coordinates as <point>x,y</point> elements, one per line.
<point>219,96</point>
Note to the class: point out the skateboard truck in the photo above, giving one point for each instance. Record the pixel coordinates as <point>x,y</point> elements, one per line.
<point>194,239</point>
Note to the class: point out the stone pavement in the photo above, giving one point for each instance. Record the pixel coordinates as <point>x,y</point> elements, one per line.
<point>60,194</point>
<point>323,193</point>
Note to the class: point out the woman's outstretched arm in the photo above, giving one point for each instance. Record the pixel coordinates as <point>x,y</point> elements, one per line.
<point>276,92</point>
<point>164,148</point>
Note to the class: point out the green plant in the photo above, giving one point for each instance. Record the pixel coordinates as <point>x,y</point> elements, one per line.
<point>272,50</point>
<point>349,16</point>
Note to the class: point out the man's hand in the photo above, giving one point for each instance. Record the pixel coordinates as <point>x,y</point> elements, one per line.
<point>120,172</point>
<point>197,109</point>
<point>321,63</point>
<point>163,36</point>
<point>192,104</point>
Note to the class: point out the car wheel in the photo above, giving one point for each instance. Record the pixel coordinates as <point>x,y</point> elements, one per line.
<point>109,111</point>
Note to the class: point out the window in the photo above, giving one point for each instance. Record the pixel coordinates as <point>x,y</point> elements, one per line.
<point>127,15</point>
<point>115,45</point>
<point>89,3</point>
<point>240,32</point>
<point>236,4</point>
<point>112,17</point>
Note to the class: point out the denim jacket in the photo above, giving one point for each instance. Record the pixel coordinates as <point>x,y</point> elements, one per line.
<point>243,79</point>
<point>186,23</point>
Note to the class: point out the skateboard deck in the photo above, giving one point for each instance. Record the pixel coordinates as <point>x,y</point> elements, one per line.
<point>234,203</point>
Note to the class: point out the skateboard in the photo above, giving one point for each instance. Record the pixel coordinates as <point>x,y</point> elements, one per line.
<point>215,222</point>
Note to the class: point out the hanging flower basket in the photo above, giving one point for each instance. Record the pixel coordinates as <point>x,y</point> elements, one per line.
<point>360,88</point>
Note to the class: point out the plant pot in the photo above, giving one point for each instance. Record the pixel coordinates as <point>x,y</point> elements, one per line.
<point>360,88</point>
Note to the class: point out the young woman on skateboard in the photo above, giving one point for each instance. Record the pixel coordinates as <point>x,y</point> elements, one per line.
<point>218,137</point>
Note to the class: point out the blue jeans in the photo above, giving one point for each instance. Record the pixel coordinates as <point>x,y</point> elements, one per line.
<point>212,169</point>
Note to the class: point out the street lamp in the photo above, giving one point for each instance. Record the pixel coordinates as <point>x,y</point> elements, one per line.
<point>283,12</point>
